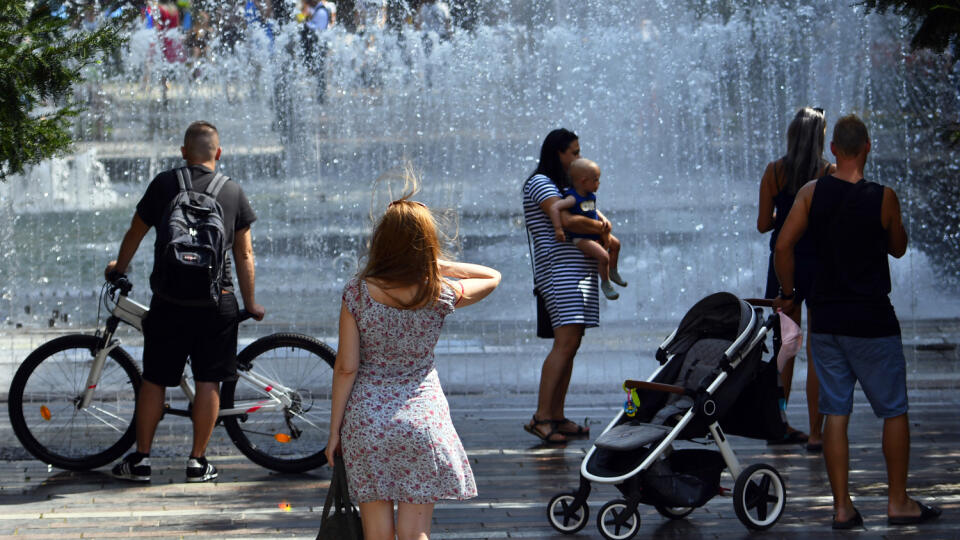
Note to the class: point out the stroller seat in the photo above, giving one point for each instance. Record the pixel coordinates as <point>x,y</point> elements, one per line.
<point>698,363</point>
<point>631,436</point>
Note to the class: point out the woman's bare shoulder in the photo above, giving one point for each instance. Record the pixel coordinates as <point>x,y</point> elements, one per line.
<point>772,174</point>
<point>390,294</point>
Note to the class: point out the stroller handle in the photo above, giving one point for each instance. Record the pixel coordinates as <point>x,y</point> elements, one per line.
<point>657,387</point>
<point>760,302</point>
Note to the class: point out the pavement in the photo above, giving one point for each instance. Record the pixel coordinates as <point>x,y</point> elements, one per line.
<point>516,475</point>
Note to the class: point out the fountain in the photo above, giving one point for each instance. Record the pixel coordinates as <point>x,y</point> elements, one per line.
<point>681,109</point>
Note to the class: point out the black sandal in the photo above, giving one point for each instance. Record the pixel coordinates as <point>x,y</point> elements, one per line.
<point>581,431</point>
<point>532,428</point>
<point>790,437</point>
<point>927,513</point>
<point>852,523</point>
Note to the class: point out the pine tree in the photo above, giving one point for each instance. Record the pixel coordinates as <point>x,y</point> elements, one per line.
<point>41,59</point>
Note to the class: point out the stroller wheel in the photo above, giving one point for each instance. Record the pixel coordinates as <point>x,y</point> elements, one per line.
<point>759,496</point>
<point>674,512</point>
<point>617,521</point>
<point>564,517</point>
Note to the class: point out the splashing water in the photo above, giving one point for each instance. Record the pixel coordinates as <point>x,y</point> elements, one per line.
<point>682,112</point>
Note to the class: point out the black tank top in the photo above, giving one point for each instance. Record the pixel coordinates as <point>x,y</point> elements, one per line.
<point>783,201</point>
<point>852,284</point>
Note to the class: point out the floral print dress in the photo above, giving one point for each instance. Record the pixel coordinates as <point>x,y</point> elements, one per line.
<point>398,440</point>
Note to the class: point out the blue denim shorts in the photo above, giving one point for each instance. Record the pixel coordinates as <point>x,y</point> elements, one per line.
<point>877,363</point>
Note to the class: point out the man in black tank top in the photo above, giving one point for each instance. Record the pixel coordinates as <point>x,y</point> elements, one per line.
<point>855,336</point>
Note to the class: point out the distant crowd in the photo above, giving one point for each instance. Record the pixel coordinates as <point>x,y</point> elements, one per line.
<point>190,28</point>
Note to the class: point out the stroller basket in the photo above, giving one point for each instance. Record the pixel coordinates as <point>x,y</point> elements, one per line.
<point>686,478</point>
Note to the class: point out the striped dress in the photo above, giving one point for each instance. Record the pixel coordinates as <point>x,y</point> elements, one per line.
<point>565,277</point>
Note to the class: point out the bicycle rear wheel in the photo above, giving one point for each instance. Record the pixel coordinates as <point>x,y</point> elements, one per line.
<point>45,395</point>
<point>293,438</point>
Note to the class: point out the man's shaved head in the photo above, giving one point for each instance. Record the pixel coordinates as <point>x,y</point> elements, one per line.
<point>201,142</point>
<point>582,167</point>
<point>850,135</point>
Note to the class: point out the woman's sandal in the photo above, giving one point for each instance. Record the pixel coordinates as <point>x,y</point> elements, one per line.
<point>852,523</point>
<point>791,437</point>
<point>926,514</point>
<point>581,431</point>
<point>547,438</point>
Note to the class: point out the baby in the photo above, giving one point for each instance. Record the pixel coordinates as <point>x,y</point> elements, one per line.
<point>580,200</point>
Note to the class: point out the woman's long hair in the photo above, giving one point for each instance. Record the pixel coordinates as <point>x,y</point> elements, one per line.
<point>557,142</point>
<point>404,250</point>
<point>804,158</point>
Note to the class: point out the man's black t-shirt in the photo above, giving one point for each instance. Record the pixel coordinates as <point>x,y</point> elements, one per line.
<point>237,212</point>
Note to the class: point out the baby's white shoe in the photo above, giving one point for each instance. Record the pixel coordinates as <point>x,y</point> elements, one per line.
<point>615,277</point>
<point>608,291</point>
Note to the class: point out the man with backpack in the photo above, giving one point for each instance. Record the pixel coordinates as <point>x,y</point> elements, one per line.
<point>200,217</point>
<point>854,332</point>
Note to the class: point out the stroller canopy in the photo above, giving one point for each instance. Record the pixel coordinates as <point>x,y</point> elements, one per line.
<point>719,316</point>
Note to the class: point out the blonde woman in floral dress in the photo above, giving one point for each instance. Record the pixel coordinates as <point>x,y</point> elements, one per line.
<point>389,415</point>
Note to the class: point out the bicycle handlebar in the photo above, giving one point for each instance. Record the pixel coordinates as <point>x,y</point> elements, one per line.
<point>120,282</point>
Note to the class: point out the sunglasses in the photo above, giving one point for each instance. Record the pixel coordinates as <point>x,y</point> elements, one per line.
<point>398,201</point>
<point>818,109</point>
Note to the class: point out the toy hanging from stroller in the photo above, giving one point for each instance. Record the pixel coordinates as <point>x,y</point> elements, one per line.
<point>712,380</point>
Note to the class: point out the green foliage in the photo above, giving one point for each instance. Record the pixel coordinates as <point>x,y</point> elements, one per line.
<point>936,22</point>
<point>936,27</point>
<point>41,59</point>
<point>951,134</point>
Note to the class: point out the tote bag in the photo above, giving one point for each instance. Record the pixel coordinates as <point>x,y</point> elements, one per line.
<point>344,522</point>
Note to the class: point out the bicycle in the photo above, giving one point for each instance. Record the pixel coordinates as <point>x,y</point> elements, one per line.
<point>72,400</point>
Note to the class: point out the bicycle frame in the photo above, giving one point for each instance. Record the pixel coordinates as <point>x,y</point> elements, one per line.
<point>132,312</point>
<point>87,385</point>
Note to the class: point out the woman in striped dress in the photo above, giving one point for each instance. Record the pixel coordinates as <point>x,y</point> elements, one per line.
<point>565,280</point>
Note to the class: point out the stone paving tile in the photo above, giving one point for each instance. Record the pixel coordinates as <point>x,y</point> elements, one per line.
<point>515,477</point>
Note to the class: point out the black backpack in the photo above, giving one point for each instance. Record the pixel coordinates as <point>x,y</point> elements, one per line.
<point>190,247</point>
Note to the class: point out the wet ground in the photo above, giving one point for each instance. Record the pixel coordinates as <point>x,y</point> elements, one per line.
<point>515,476</point>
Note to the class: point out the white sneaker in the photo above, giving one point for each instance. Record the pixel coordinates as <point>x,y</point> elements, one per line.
<point>198,470</point>
<point>134,468</point>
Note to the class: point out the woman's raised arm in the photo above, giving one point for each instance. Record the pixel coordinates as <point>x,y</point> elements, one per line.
<point>476,281</point>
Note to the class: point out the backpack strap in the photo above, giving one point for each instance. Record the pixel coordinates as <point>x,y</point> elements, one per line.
<point>183,179</point>
<point>215,185</point>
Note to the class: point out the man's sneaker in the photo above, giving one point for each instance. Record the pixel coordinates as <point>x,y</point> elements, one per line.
<point>615,277</point>
<point>608,291</point>
<point>198,470</point>
<point>135,467</point>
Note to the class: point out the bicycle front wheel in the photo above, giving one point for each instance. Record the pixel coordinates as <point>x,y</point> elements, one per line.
<point>44,404</point>
<point>285,438</point>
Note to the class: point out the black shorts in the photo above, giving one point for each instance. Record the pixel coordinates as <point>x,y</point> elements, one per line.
<point>805,267</point>
<point>207,335</point>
